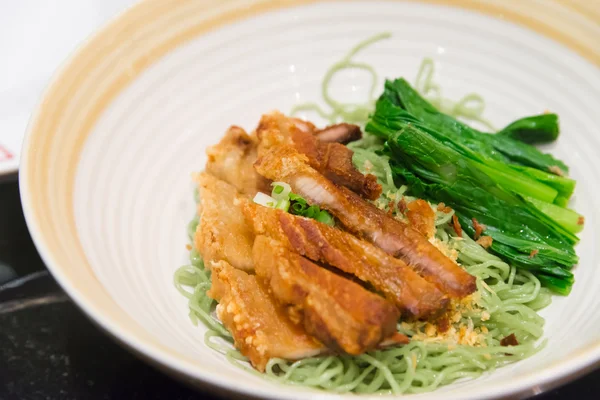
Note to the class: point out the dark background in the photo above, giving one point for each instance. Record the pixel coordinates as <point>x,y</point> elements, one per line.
<point>50,350</point>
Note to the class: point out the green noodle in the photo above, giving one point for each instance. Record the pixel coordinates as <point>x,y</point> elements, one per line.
<point>470,107</point>
<point>347,112</point>
<point>508,297</point>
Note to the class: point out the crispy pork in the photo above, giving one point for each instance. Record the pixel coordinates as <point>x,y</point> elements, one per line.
<point>284,163</point>
<point>340,133</point>
<point>259,326</point>
<point>222,232</point>
<point>334,160</point>
<point>340,313</point>
<point>319,242</point>
<point>421,217</point>
<point>232,160</point>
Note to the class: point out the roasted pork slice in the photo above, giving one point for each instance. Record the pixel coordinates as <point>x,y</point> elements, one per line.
<point>341,314</point>
<point>275,129</point>
<point>340,133</point>
<point>303,125</point>
<point>259,326</point>
<point>334,160</point>
<point>222,232</point>
<point>421,217</point>
<point>232,160</point>
<point>285,163</point>
<point>391,276</point>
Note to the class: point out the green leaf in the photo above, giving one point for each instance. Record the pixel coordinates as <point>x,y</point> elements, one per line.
<point>437,172</point>
<point>542,128</point>
<point>498,147</point>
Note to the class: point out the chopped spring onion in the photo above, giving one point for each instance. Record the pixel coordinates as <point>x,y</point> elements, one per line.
<point>325,218</point>
<point>282,198</point>
<point>283,204</point>
<point>264,200</point>
<point>300,207</point>
<point>281,191</point>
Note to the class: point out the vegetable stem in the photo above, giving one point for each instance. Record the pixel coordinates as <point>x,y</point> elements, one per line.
<point>521,184</point>
<point>567,218</point>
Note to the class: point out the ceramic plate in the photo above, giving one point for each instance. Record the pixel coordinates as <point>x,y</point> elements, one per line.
<point>35,37</point>
<point>108,156</point>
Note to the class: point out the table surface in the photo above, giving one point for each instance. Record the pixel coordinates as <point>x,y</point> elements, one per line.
<point>50,350</point>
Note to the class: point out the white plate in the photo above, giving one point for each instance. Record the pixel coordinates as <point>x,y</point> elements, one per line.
<point>35,37</point>
<point>106,169</point>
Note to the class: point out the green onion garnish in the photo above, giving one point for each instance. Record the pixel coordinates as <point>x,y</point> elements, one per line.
<point>281,191</point>
<point>282,198</point>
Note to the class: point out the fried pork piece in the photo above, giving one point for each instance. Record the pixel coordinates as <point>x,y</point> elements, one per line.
<point>341,133</point>
<point>222,232</point>
<point>275,128</point>
<point>284,163</point>
<point>319,242</point>
<point>259,326</point>
<point>232,160</point>
<point>334,160</point>
<point>421,217</point>
<point>303,125</point>
<point>341,314</point>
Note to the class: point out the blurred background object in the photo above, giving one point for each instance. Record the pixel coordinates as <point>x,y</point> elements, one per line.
<point>36,36</point>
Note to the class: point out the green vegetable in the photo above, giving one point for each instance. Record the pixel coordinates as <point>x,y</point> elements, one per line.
<point>283,204</point>
<point>520,183</point>
<point>569,219</point>
<point>561,201</point>
<point>282,198</point>
<point>299,206</point>
<point>557,285</point>
<point>502,148</point>
<point>535,129</point>
<point>389,118</point>
<point>521,234</point>
<point>281,191</point>
<point>500,180</point>
<point>325,218</point>
<point>563,185</point>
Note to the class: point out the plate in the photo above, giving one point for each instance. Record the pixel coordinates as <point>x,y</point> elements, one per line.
<point>35,37</point>
<point>105,177</point>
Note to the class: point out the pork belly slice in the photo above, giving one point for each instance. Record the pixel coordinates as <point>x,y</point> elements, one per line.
<point>421,217</point>
<point>337,133</point>
<point>304,125</point>
<point>222,232</point>
<point>334,160</point>
<point>232,160</point>
<point>259,326</point>
<point>391,276</point>
<point>340,133</point>
<point>284,163</point>
<point>341,314</point>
